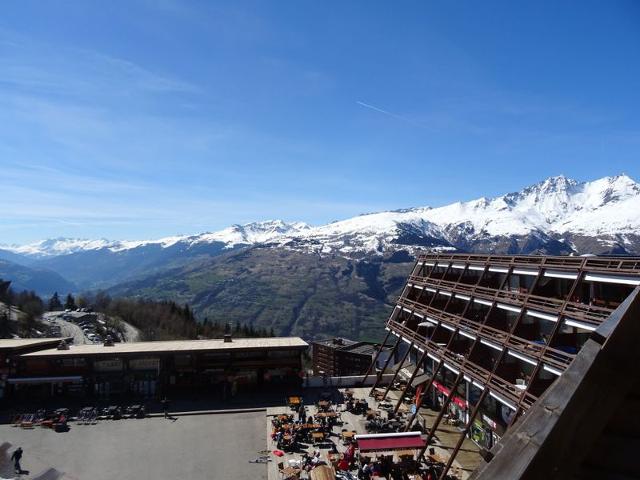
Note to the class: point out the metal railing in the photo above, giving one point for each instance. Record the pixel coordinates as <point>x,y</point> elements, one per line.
<point>555,358</point>
<point>590,314</point>
<point>624,265</point>
<point>478,374</point>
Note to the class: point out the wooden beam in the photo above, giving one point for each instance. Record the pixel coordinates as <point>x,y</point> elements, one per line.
<point>386,364</point>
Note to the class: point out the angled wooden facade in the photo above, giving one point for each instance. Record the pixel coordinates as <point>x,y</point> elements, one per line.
<point>493,333</point>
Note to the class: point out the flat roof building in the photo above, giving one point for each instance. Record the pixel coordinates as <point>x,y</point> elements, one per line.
<point>150,368</point>
<point>490,334</point>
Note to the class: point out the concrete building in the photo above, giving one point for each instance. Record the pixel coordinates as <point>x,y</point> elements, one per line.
<point>10,351</point>
<point>151,368</point>
<point>490,335</point>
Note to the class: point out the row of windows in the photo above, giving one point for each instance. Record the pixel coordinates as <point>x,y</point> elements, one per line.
<point>607,295</point>
<point>569,334</point>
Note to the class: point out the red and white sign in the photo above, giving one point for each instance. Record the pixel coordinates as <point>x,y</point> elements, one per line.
<point>446,391</point>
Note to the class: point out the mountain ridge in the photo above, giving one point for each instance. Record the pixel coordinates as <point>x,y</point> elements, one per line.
<point>342,278</point>
<point>556,207</point>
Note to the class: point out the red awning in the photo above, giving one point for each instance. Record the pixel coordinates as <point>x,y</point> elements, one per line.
<point>395,442</point>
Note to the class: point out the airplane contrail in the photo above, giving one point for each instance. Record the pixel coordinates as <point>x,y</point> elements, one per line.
<point>391,114</point>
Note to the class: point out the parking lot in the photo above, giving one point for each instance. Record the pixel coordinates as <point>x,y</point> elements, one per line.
<point>188,447</point>
<point>87,327</point>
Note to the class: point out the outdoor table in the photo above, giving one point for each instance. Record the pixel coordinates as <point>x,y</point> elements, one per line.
<point>436,458</point>
<point>327,414</point>
<point>317,436</point>
<point>404,453</point>
<point>346,436</point>
<point>290,471</point>
<point>301,426</point>
<point>323,472</point>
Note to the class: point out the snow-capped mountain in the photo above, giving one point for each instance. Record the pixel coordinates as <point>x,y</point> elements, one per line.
<point>235,235</point>
<point>557,208</point>
<point>576,217</point>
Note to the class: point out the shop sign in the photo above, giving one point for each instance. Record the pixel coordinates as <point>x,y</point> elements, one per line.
<point>460,402</point>
<point>441,388</point>
<point>113,365</point>
<point>489,422</point>
<point>144,364</point>
<point>444,390</point>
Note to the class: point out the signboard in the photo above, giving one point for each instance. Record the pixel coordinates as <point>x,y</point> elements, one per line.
<point>113,365</point>
<point>144,364</point>
<point>460,402</point>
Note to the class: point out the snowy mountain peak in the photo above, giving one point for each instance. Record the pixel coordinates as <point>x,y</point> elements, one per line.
<point>554,207</point>
<point>58,246</point>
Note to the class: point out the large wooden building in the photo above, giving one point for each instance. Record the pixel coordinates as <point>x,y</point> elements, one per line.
<point>490,334</point>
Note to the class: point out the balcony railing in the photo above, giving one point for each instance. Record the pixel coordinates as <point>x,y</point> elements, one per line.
<point>478,374</point>
<point>590,314</point>
<point>553,357</point>
<point>616,265</point>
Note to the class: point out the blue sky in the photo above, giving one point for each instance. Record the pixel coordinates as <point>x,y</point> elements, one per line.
<point>139,119</point>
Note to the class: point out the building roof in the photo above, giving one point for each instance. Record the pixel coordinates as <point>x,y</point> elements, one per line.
<point>340,343</point>
<point>175,346</point>
<point>390,441</point>
<point>364,349</point>
<point>337,342</point>
<point>22,343</point>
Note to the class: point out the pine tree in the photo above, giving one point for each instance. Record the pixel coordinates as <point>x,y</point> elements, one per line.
<point>70,302</point>
<point>54,303</point>
<point>5,325</point>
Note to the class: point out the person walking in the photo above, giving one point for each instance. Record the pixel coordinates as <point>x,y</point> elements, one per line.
<point>165,407</point>
<point>16,456</point>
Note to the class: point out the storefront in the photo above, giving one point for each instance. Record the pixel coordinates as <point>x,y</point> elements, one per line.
<point>148,369</point>
<point>458,406</point>
<point>108,377</point>
<point>483,432</point>
<point>143,376</point>
<point>39,387</point>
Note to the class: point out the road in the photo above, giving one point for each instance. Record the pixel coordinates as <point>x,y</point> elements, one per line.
<point>131,333</point>
<point>69,329</point>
